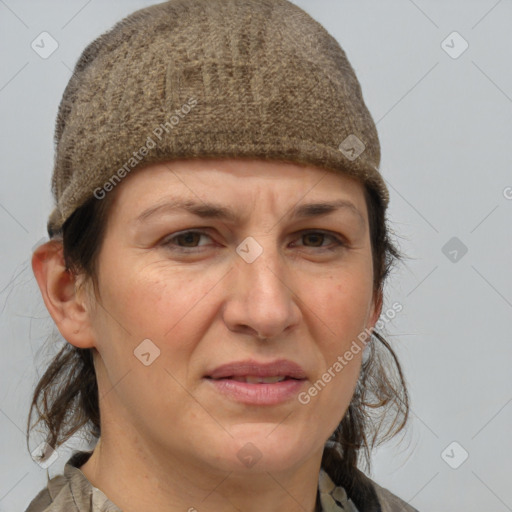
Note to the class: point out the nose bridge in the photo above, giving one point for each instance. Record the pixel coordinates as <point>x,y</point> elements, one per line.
<point>261,298</point>
<point>262,273</point>
<point>265,272</point>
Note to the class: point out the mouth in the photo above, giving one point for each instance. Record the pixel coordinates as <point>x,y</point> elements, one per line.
<point>253,379</point>
<point>255,372</point>
<point>254,383</point>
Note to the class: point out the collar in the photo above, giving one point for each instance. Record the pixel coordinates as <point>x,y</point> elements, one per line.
<point>333,498</point>
<point>82,494</point>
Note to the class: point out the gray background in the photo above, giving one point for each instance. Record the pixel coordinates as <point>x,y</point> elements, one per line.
<point>445,126</point>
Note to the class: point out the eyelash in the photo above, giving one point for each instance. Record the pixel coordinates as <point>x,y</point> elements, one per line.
<point>167,242</point>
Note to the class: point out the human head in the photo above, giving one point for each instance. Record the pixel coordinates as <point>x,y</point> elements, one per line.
<point>86,223</point>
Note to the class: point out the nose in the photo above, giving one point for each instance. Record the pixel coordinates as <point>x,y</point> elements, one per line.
<point>261,298</point>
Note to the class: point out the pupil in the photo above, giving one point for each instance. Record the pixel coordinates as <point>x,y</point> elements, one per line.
<point>318,237</point>
<point>188,237</point>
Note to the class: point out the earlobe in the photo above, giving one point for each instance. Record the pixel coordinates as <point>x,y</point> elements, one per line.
<point>58,289</point>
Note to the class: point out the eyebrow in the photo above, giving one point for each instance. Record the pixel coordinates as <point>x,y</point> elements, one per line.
<point>207,210</point>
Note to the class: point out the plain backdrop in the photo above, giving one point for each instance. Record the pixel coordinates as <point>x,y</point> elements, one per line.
<point>437,78</point>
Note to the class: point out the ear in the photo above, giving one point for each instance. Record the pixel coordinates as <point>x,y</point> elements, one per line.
<point>59,290</point>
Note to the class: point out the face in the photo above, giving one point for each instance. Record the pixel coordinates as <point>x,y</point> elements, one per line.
<point>185,293</point>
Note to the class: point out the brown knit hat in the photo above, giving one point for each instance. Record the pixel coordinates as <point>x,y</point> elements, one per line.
<point>209,78</point>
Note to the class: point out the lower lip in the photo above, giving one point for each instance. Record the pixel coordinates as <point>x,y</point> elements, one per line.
<point>258,394</point>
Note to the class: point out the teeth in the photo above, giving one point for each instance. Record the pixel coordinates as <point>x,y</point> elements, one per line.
<point>259,380</point>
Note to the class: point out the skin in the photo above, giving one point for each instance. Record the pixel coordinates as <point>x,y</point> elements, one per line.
<point>169,439</point>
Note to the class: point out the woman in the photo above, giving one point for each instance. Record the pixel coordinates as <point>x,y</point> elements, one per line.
<point>216,264</point>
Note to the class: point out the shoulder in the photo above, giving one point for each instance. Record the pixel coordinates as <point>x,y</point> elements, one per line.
<point>389,502</point>
<point>362,491</point>
<point>70,491</point>
<point>49,497</point>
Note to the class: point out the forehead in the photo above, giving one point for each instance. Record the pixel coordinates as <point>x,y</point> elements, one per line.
<point>239,184</point>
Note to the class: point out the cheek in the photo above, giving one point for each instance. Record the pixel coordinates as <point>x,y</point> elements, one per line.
<point>343,303</point>
<point>169,308</point>
<point>166,305</point>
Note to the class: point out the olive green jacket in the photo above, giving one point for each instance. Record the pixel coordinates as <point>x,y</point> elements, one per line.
<point>72,492</point>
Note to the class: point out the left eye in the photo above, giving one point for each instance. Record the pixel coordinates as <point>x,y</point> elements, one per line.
<point>322,236</point>
<point>188,237</point>
<point>191,238</point>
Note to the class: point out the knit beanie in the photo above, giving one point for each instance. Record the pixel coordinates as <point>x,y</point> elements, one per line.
<point>209,79</point>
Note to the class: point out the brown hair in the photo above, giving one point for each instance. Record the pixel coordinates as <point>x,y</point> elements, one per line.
<point>66,396</point>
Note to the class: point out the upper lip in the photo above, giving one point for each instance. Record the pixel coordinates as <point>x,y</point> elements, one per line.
<point>280,367</point>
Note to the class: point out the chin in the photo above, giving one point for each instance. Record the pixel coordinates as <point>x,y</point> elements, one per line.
<point>262,448</point>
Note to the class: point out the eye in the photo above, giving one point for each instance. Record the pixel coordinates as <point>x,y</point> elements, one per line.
<point>317,237</point>
<point>189,238</point>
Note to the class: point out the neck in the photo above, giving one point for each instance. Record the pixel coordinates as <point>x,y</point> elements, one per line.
<point>136,476</point>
